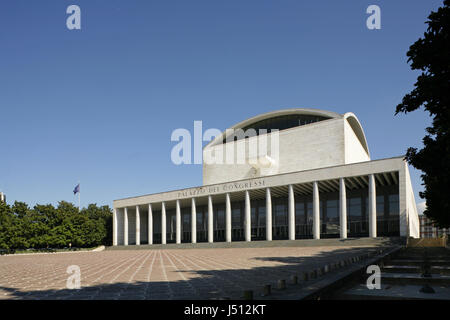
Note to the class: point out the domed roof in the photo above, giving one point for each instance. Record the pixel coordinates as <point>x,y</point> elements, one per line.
<point>308,112</point>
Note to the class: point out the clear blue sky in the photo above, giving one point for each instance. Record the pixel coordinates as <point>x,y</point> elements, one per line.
<point>99,104</point>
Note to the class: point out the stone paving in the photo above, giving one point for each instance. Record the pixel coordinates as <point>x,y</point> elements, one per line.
<point>161,274</point>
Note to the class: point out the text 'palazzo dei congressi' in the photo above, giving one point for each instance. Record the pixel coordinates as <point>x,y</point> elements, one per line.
<point>321,184</point>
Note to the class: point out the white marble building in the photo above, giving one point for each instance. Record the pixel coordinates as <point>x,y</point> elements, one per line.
<point>319,183</point>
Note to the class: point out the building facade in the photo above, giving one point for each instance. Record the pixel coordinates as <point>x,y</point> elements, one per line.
<point>312,178</point>
<point>428,230</point>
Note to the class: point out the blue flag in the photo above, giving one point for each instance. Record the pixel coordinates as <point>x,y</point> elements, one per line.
<point>77,189</point>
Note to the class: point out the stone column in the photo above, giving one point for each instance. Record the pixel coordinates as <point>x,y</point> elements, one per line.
<point>372,207</point>
<point>342,208</point>
<point>227,218</point>
<point>178,221</point>
<point>268,215</point>
<point>291,212</point>
<point>150,224</point>
<point>125,226</point>
<point>193,221</point>
<point>115,227</point>
<point>210,221</point>
<point>163,223</point>
<point>138,227</point>
<point>403,188</point>
<point>248,217</point>
<point>316,211</point>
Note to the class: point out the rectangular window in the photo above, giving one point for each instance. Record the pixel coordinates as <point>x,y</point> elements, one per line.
<point>220,218</point>
<point>199,221</point>
<point>380,206</point>
<point>300,218</point>
<point>354,209</point>
<point>254,217</point>
<point>236,218</point>
<point>262,215</point>
<point>394,206</point>
<point>331,219</point>
<point>186,222</point>
<point>309,212</point>
<point>280,215</point>
<point>332,209</point>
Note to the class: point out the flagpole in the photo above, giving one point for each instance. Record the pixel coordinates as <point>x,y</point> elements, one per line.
<point>79,197</point>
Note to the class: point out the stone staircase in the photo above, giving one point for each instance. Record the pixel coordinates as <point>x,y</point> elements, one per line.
<point>411,273</point>
<point>349,242</point>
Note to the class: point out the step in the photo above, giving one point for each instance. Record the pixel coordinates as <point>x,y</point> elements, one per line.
<point>414,278</point>
<point>379,243</point>
<point>440,269</point>
<point>445,254</point>
<point>415,269</point>
<point>401,269</point>
<point>394,292</point>
<point>418,262</point>
<point>421,256</point>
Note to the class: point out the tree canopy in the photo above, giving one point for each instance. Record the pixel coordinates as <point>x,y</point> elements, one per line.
<point>431,56</point>
<point>45,226</point>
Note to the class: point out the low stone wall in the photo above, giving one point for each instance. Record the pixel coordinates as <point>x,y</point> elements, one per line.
<point>426,242</point>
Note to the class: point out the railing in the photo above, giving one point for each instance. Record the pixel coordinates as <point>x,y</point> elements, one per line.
<point>388,227</point>
<point>360,228</point>
<point>385,227</point>
<point>303,231</point>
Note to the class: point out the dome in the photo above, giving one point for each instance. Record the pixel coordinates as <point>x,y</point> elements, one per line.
<point>289,118</point>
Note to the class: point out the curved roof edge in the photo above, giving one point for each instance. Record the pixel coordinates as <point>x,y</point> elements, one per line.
<point>276,113</point>
<point>357,129</point>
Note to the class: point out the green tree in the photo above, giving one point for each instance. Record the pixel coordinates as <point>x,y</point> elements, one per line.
<point>77,224</point>
<point>46,214</point>
<point>431,55</point>
<point>103,215</point>
<point>20,209</point>
<point>20,231</point>
<point>47,226</point>
<point>6,220</point>
<point>17,236</point>
<point>60,236</point>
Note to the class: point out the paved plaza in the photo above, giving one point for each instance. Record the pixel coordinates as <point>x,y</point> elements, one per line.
<point>163,274</point>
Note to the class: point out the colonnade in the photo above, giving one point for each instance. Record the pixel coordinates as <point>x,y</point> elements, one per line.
<point>247,216</point>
